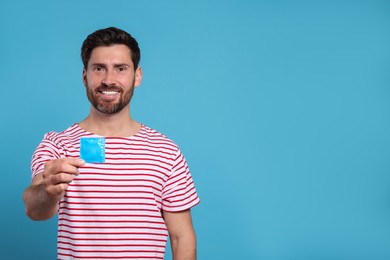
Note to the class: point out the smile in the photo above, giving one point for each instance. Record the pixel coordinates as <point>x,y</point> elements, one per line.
<point>110,92</point>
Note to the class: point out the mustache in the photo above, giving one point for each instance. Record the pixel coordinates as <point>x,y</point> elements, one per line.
<point>105,87</point>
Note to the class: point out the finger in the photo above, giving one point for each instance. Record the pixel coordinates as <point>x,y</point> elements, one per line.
<point>66,168</point>
<point>57,179</point>
<point>60,165</point>
<point>61,178</point>
<point>77,162</point>
<point>56,190</point>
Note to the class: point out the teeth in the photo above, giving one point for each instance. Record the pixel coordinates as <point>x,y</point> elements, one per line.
<point>109,92</point>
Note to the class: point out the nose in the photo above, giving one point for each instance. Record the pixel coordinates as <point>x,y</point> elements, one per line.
<point>109,78</point>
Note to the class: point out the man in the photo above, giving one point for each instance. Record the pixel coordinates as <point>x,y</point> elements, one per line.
<point>133,187</point>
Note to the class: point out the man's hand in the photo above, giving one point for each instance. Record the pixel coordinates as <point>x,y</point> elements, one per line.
<point>48,187</point>
<point>58,174</point>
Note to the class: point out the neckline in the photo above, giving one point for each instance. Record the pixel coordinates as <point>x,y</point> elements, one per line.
<point>77,126</point>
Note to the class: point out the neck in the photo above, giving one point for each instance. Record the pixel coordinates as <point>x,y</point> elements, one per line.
<point>119,124</point>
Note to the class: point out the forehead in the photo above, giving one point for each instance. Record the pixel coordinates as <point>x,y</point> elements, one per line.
<point>118,53</point>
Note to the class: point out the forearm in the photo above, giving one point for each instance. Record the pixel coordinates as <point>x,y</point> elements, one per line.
<point>184,248</point>
<point>39,205</point>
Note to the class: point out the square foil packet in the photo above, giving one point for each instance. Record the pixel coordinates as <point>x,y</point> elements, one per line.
<point>93,149</point>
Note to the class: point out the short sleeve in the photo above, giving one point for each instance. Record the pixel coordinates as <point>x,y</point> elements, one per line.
<point>47,150</point>
<point>179,190</point>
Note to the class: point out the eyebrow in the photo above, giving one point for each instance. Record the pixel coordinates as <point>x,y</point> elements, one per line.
<point>122,64</point>
<point>115,65</point>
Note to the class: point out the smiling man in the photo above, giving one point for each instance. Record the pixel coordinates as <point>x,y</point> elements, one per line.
<point>132,188</point>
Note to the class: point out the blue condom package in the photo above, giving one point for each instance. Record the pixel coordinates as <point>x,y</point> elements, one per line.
<point>93,149</point>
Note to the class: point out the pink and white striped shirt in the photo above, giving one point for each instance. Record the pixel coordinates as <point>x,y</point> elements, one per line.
<point>112,210</point>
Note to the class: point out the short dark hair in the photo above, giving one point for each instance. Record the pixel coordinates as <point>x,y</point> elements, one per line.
<point>107,37</point>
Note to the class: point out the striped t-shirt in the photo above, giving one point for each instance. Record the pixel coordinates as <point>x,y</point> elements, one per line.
<point>112,210</point>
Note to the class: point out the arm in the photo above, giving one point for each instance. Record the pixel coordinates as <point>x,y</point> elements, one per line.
<point>182,234</point>
<point>48,187</point>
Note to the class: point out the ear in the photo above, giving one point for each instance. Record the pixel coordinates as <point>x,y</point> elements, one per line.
<point>85,77</point>
<point>138,77</point>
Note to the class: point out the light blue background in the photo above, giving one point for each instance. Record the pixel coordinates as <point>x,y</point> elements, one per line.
<point>280,107</point>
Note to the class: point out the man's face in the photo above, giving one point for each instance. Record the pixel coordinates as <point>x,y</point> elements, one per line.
<point>110,78</point>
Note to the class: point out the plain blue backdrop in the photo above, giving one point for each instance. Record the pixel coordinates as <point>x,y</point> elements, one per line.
<point>280,107</point>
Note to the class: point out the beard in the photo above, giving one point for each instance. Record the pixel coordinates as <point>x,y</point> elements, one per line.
<point>109,107</point>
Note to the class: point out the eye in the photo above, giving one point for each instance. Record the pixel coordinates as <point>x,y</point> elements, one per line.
<point>98,68</point>
<point>122,68</point>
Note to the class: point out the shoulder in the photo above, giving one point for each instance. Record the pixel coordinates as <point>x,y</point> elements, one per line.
<point>66,135</point>
<point>155,138</point>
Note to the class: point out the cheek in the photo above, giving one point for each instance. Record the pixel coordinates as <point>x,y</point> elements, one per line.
<point>91,81</point>
<point>129,81</point>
